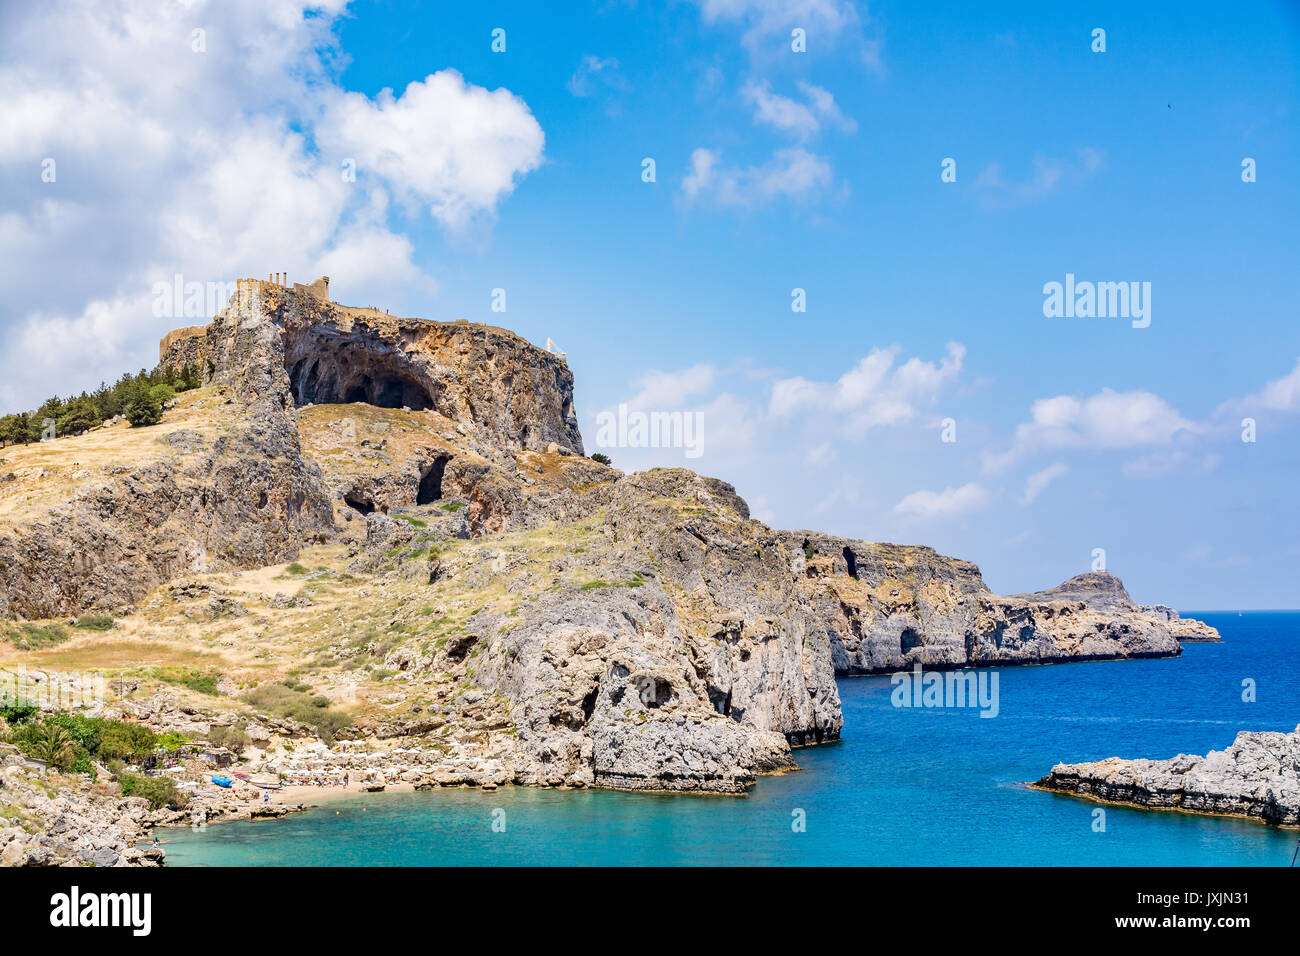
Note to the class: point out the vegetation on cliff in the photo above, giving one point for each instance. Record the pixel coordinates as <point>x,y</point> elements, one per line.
<point>139,398</point>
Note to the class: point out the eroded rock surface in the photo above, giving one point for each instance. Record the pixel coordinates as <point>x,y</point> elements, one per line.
<point>888,607</point>
<point>249,500</point>
<point>1258,776</point>
<point>559,623</point>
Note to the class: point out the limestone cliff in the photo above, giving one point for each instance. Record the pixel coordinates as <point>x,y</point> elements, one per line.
<point>1258,776</point>
<point>481,375</point>
<point>571,625</point>
<point>243,497</point>
<point>889,606</point>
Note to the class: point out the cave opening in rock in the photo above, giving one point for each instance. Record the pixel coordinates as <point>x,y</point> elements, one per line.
<point>342,369</point>
<point>909,639</point>
<point>852,563</point>
<point>431,481</point>
<point>359,502</point>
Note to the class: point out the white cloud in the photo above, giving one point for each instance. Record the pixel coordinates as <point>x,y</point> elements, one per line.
<point>456,147</point>
<point>996,191</point>
<point>1037,483</point>
<point>790,173</point>
<point>229,167</point>
<point>594,72</point>
<point>1281,395</point>
<point>874,392</point>
<point>727,422</point>
<point>663,390</point>
<point>1105,420</point>
<point>766,25</point>
<point>949,503</point>
<point>800,120</point>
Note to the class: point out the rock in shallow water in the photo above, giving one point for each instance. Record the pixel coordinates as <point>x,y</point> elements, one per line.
<point>1257,777</point>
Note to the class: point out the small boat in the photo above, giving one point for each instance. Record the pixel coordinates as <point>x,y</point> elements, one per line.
<point>221,781</point>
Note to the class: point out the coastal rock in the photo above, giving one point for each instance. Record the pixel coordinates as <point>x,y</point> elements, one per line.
<point>1258,776</point>
<point>890,606</point>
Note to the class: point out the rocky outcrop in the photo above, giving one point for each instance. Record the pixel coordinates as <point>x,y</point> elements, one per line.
<point>479,374</point>
<point>1186,629</point>
<point>587,628</point>
<point>1258,777</point>
<point>889,606</point>
<point>249,500</point>
<point>689,660</point>
<point>44,825</point>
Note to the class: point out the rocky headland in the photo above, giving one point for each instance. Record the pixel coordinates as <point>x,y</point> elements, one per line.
<point>395,519</point>
<point>1258,777</point>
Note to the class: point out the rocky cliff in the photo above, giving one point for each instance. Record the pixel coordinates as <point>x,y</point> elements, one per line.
<point>244,497</point>
<point>1258,776</point>
<point>546,619</point>
<point>490,378</point>
<point>888,606</point>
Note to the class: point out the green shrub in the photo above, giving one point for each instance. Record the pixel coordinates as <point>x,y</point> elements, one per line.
<point>79,415</point>
<point>14,713</point>
<point>233,738</point>
<point>86,732</point>
<point>129,742</point>
<point>297,705</point>
<point>85,764</point>
<point>205,682</point>
<point>47,741</point>
<point>601,458</point>
<point>143,410</point>
<point>452,506</point>
<point>29,636</point>
<point>159,791</point>
<point>162,393</point>
<point>94,622</point>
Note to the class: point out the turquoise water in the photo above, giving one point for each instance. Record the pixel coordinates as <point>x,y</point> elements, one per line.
<point>904,787</point>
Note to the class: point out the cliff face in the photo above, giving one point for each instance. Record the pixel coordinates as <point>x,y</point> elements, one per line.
<point>585,627</point>
<point>243,498</point>
<point>1258,776</point>
<point>521,395</point>
<point>890,606</point>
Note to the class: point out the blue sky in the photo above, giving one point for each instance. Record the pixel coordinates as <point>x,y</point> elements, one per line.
<point>775,170</point>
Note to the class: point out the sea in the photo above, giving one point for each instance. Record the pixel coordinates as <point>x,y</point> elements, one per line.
<point>903,787</point>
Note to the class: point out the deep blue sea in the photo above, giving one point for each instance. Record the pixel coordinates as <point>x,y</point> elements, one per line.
<point>903,787</point>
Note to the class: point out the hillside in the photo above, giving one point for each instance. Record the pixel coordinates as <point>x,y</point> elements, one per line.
<point>453,584</point>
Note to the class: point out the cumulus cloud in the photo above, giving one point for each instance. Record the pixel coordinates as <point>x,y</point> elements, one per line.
<point>790,173</point>
<point>1279,396</point>
<point>949,503</point>
<point>1037,483</point>
<point>455,147</point>
<point>656,389</point>
<point>231,167</point>
<point>1105,420</point>
<point>722,421</point>
<point>801,120</point>
<point>875,392</point>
